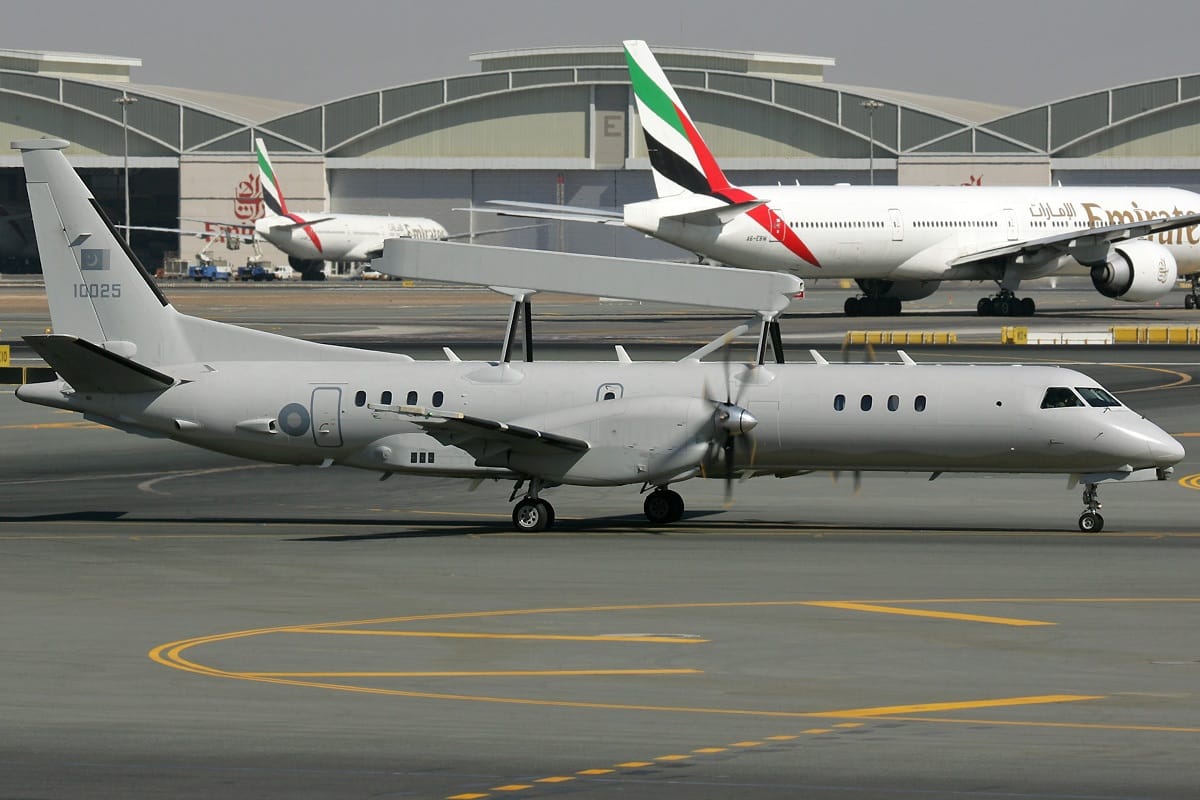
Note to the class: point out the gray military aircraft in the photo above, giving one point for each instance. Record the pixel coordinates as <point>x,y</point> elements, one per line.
<point>126,358</point>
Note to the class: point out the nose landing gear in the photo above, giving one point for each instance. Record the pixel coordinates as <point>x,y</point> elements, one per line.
<point>1090,520</point>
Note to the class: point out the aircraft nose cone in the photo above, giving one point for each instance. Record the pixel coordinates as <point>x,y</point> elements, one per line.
<point>1166,450</point>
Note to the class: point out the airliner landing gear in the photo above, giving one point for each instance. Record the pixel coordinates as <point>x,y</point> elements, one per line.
<point>532,514</point>
<point>1191,300</point>
<point>1006,304</point>
<point>663,506</point>
<point>309,269</point>
<point>1090,520</point>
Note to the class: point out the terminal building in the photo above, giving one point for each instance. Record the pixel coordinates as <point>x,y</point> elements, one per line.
<point>551,125</point>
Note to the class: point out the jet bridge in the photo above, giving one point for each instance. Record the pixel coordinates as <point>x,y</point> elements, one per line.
<point>521,273</point>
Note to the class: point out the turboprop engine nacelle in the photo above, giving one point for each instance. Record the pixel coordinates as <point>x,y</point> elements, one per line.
<point>1136,271</point>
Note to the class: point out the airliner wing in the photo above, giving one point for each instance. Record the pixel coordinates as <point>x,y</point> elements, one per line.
<point>1072,240</point>
<point>304,223</point>
<point>516,208</point>
<point>219,234</point>
<point>453,428</point>
<point>469,234</point>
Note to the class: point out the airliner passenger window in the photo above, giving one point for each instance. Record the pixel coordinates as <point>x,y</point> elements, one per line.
<point>893,402</point>
<point>385,399</point>
<point>360,398</point>
<point>865,403</point>
<point>437,399</point>
<point>411,399</point>
<point>919,403</point>
<point>839,402</point>
<point>1060,397</point>
<point>1097,397</point>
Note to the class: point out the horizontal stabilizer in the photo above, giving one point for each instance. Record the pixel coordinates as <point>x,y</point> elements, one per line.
<point>516,208</point>
<point>304,223</point>
<point>755,291</point>
<point>716,216</point>
<point>90,368</point>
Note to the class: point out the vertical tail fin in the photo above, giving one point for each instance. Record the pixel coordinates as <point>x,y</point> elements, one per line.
<point>271,192</point>
<point>679,158</point>
<point>95,286</point>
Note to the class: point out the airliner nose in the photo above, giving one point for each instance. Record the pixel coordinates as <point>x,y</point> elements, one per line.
<point>1165,450</point>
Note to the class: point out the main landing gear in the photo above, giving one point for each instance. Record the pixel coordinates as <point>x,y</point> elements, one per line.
<point>532,514</point>
<point>1090,520</point>
<point>663,506</point>
<point>1006,304</point>
<point>1191,300</point>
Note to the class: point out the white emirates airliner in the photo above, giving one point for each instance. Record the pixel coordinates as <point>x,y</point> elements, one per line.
<point>898,242</point>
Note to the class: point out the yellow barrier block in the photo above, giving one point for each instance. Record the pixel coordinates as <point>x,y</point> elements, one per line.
<point>1125,334</point>
<point>1156,335</point>
<point>900,338</point>
<point>1014,334</point>
<point>5,355</point>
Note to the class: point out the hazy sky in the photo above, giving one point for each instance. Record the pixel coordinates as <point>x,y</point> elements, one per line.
<point>1015,52</point>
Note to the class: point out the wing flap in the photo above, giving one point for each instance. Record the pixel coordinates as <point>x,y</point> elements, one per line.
<point>89,367</point>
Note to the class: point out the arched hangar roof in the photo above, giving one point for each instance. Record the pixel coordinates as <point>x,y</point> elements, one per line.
<point>527,107</point>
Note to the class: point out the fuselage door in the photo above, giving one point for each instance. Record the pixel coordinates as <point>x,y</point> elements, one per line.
<point>1010,224</point>
<point>897,225</point>
<point>609,391</point>
<point>326,408</point>
<point>777,224</point>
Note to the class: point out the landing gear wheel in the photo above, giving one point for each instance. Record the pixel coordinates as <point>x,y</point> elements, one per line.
<point>984,307</point>
<point>663,506</point>
<point>1028,307</point>
<point>852,307</point>
<point>532,515</point>
<point>1091,522</point>
<point>1189,302</point>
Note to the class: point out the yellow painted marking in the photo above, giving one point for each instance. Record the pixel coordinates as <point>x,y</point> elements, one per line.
<point>921,708</point>
<point>635,764</point>
<point>1190,481</point>
<point>466,796</point>
<point>512,787</point>
<point>819,730</point>
<point>534,637</point>
<point>918,612</point>
<point>594,772</point>
<point>848,725</point>
<point>1083,726</point>
<point>710,750</point>
<point>672,758</point>
<point>746,744</point>
<point>40,426</point>
<point>782,738</point>
<point>555,779</point>
<point>482,674</point>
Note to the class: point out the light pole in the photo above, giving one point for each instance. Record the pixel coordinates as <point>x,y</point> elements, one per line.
<point>871,106</point>
<point>125,101</point>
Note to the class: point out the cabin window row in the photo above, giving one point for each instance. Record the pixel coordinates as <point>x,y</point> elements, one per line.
<point>955,223</point>
<point>838,224</point>
<point>411,399</point>
<point>866,402</point>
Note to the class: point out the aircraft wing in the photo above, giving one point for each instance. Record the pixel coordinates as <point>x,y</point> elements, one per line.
<point>467,235</point>
<point>1079,239</point>
<point>221,234</point>
<point>757,291</point>
<point>516,208</point>
<point>453,428</point>
<point>89,367</point>
<point>304,223</point>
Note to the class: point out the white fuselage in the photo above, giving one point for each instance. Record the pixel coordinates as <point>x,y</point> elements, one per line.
<point>912,233</point>
<point>345,237</point>
<point>655,427</point>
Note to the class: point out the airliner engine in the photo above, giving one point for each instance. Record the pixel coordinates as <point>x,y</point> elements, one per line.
<point>1135,271</point>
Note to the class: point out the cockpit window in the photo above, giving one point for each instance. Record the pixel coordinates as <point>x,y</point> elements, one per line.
<point>1060,397</point>
<point>1097,397</point>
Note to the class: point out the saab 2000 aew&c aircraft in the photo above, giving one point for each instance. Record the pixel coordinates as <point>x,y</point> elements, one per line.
<point>125,357</point>
<point>898,242</point>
